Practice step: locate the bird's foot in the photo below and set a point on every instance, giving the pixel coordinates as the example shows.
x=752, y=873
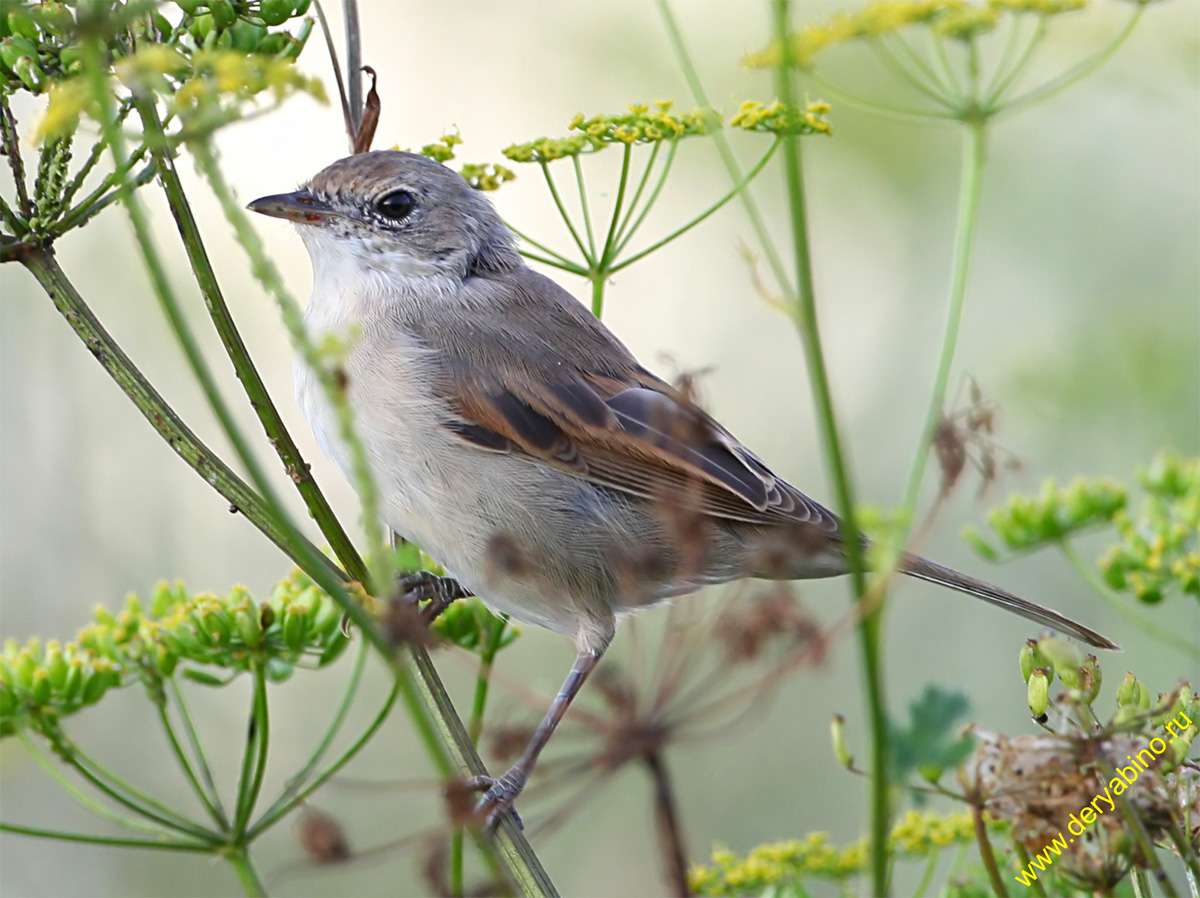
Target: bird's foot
x=498, y=796
x=439, y=592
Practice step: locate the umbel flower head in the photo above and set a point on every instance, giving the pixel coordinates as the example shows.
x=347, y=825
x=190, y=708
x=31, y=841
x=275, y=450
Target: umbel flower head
x=298, y=625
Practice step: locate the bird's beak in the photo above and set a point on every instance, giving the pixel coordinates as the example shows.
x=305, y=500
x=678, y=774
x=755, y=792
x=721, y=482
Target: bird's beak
x=301, y=207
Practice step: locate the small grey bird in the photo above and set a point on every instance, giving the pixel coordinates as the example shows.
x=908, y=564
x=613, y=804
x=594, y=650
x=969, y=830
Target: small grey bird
x=516, y=440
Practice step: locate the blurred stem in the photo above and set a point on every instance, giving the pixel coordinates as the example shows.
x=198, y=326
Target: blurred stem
x=1140, y=836
x=927, y=876
x=110, y=841
x=684, y=59
x=252, y=884
x=1080, y=71
x=904, y=113
x=1092, y=577
x=1140, y=883
x=915, y=72
x=670, y=832
x=494, y=635
x=985, y=851
x=1001, y=80
x=970, y=187
x=1023, y=856
x=806, y=320
x=210, y=801
x=256, y=391
x=254, y=759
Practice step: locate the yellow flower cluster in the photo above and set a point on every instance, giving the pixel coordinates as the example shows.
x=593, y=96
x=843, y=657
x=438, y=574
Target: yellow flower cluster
x=641, y=124
x=785, y=864
x=486, y=175
x=776, y=118
x=958, y=19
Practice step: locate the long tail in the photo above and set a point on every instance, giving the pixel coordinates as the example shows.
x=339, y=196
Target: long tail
x=924, y=569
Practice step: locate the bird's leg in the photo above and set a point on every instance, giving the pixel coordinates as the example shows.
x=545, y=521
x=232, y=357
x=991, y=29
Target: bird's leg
x=499, y=793
x=440, y=591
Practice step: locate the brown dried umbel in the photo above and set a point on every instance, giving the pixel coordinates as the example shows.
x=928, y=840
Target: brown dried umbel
x=1084, y=788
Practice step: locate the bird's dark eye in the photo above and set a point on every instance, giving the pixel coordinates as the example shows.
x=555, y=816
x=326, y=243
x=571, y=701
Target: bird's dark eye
x=396, y=205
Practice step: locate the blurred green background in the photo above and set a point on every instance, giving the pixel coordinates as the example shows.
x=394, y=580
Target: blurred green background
x=1083, y=322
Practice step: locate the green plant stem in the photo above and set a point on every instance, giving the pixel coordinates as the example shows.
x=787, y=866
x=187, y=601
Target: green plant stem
x=109, y=841
x=189, y=772
x=916, y=74
x=562, y=211
x=690, y=74
x=903, y=113
x=985, y=852
x=1023, y=855
x=806, y=319
x=1093, y=579
x=235, y=348
x=239, y=860
x=193, y=737
x=556, y=259
x=949, y=76
x=627, y=230
x=1002, y=81
x=285, y=804
x=1140, y=836
x=82, y=798
x=734, y=191
x=971, y=182
x=487, y=656
x=1082, y=70
x=610, y=239
x=927, y=876
x=254, y=759
x=599, y=281
x=583, y=205
x=637, y=193
x=1140, y=883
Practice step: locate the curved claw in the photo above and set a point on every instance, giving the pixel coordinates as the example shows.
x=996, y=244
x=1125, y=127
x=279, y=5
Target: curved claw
x=498, y=796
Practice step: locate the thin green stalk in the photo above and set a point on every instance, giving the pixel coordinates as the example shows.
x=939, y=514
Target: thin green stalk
x=297, y=781
x=254, y=759
x=256, y=391
x=599, y=281
x=1137, y=828
x=562, y=210
x=928, y=83
x=609, y=251
x=637, y=194
x=247, y=875
x=1002, y=81
x=209, y=801
x=89, y=208
x=627, y=235
x=734, y=191
x=109, y=841
x=690, y=74
x=1012, y=27
x=1187, y=853
x=903, y=113
x=286, y=804
x=583, y=205
x=973, y=158
x=1023, y=856
x=985, y=852
x=380, y=563
x=1092, y=577
x=806, y=320
x=927, y=876
x=193, y=737
x=81, y=797
x=1082, y=70
x=561, y=260
x=946, y=68
x=126, y=794
x=569, y=267
x=1141, y=883
x=487, y=656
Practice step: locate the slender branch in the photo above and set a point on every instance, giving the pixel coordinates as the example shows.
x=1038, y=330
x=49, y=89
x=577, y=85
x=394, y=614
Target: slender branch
x=353, y=62
x=1082, y=70
x=254, y=759
x=932, y=87
x=642, y=182
x=1001, y=83
x=110, y=841
x=627, y=235
x=971, y=182
x=583, y=205
x=985, y=852
x=247, y=875
x=835, y=456
x=903, y=113
x=562, y=261
x=562, y=210
x=208, y=801
x=670, y=832
x=256, y=391
x=607, y=254
x=193, y=737
x=734, y=191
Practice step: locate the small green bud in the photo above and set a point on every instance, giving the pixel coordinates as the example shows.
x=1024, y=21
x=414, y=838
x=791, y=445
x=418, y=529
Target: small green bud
x=249, y=627
x=21, y=25
x=1032, y=657
x=223, y=13
x=837, y=730
x=274, y=44
x=189, y=6
x=931, y=773
x=1143, y=698
x=300, y=7
x=40, y=691
x=56, y=667
x=1177, y=755
x=1127, y=692
x=95, y=683
x=1090, y=678
x=1039, y=693
x=328, y=617
x=165, y=661
x=276, y=12
x=202, y=26
x=24, y=669
x=1126, y=714
x=337, y=644
x=1064, y=657
x=8, y=701
x=295, y=627
x=76, y=668
x=246, y=36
